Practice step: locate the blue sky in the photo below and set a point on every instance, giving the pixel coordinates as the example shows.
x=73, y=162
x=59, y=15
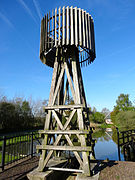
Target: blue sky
x=113, y=71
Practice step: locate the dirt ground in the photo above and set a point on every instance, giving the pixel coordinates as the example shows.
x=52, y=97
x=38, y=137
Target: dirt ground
x=111, y=170
x=118, y=170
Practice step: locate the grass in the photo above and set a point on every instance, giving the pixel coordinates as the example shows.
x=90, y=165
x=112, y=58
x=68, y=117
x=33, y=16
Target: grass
x=14, y=140
x=8, y=158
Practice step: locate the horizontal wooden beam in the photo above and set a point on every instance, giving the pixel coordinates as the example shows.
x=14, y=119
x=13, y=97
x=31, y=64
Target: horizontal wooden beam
x=74, y=106
x=65, y=169
x=64, y=148
x=63, y=131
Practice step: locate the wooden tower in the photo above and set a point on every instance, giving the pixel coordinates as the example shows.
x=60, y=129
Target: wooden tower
x=67, y=43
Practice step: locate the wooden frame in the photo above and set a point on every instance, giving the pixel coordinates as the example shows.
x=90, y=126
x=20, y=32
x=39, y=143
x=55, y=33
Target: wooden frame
x=70, y=69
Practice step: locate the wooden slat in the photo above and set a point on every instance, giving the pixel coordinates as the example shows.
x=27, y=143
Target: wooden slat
x=55, y=70
x=69, y=119
x=63, y=132
x=58, y=85
x=71, y=26
x=74, y=106
x=65, y=169
x=52, y=30
x=75, y=152
x=57, y=119
x=65, y=93
x=87, y=40
x=88, y=29
x=47, y=39
x=49, y=32
x=67, y=25
x=89, y=24
x=55, y=26
x=45, y=34
x=50, y=152
x=84, y=34
x=70, y=81
x=92, y=35
x=63, y=25
x=76, y=27
x=64, y=148
x=80, y=28
x=59, y=26
x=42, y=36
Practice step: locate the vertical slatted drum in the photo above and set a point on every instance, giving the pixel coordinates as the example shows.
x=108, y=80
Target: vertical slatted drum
x=64, y=28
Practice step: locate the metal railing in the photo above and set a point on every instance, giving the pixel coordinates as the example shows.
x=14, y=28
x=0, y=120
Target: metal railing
x=125, y=138
x=15, y=147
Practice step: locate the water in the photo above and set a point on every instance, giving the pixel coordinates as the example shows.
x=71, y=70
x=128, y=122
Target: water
x=105, y=146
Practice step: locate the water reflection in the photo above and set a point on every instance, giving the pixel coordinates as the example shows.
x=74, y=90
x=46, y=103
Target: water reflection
x=106, y=145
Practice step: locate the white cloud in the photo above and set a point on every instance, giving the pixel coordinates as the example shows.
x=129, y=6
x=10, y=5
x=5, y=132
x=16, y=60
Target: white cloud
x=37, y=9
x=27, y=9
x=6, y=20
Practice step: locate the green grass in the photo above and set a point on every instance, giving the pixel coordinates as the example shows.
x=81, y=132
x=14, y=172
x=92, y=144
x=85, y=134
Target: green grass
x=8, y=158
x=14, y=140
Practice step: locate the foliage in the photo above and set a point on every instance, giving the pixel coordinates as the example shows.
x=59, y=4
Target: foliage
x=97, y=117
x=123, y=115
x=104, y=126
x=19, y=114
x=125, y=120
x=123, y=103
x=113, y=115
x=7, y=115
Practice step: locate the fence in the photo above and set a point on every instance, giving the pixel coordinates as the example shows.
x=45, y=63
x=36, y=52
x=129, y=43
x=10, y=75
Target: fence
x=16, y=147
x=125, y=138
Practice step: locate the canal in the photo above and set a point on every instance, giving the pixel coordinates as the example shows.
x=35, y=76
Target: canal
x=106, y=145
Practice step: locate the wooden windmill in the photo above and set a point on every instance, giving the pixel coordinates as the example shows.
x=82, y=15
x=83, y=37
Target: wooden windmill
x=67, y=43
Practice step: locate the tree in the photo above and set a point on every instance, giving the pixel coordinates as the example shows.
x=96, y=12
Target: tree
x=123, y=103
x=7, y=115
x=125, y=120
x=105, y=111
x=99, y=117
